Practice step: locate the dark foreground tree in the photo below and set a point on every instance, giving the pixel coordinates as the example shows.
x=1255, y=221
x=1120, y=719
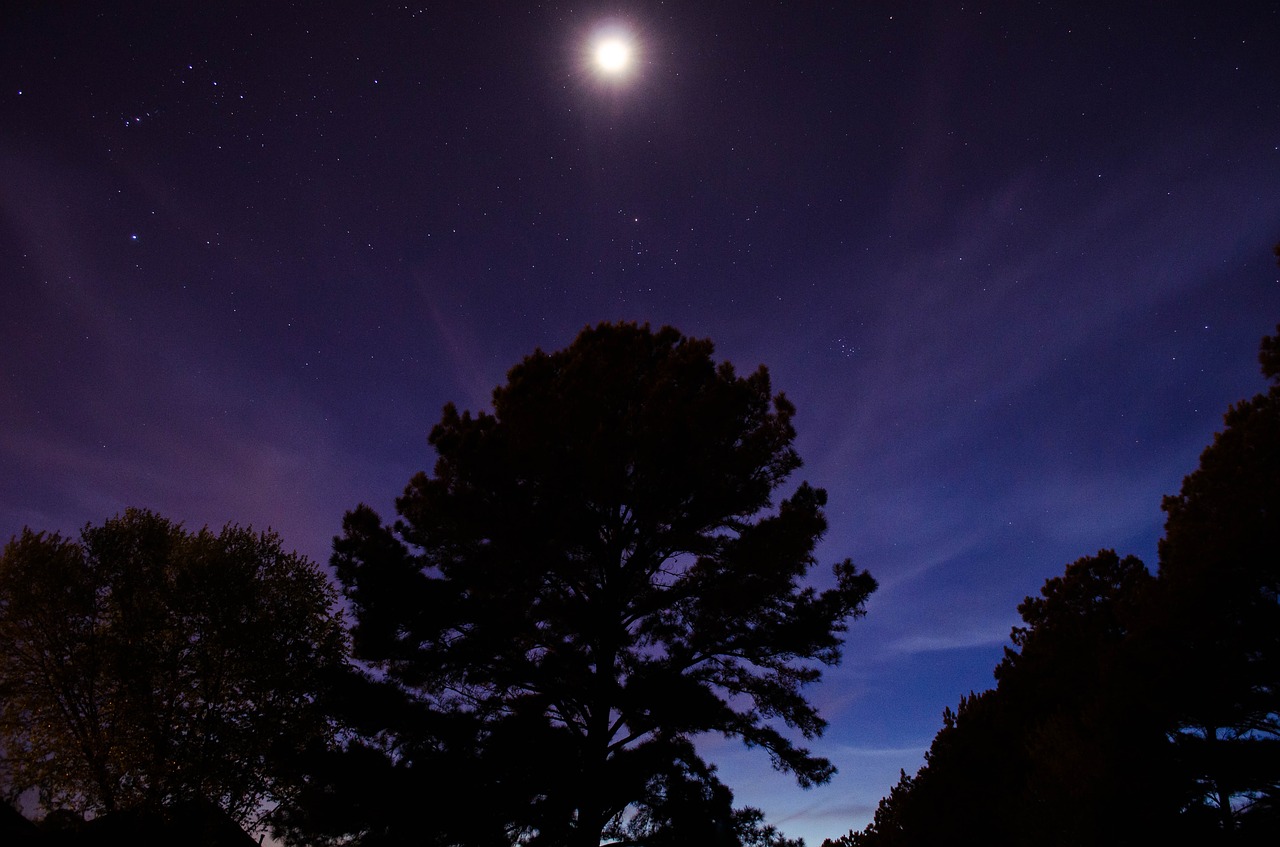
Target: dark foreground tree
x=594, y=573
x=1219, y=618
x=1064, y=751
x=146, y=666
x=1136, y=710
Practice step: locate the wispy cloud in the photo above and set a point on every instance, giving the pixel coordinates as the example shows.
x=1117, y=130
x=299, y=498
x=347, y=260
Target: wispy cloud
x=932, y=643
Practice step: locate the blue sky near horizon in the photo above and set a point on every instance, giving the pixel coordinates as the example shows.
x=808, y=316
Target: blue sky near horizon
x=1010, y=261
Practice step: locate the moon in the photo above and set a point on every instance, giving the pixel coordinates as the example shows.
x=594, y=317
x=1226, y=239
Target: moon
x=613, y=54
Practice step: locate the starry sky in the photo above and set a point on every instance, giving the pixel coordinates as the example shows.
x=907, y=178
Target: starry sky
x=1011, y=261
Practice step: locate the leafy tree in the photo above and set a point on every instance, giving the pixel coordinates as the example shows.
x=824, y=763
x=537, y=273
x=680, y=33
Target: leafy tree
x=145, y=666
x=594, y=571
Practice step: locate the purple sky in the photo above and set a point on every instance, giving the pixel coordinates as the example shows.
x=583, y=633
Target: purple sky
x=1011, y=261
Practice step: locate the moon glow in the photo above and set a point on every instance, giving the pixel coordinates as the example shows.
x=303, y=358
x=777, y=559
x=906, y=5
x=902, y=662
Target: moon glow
x=613, y=54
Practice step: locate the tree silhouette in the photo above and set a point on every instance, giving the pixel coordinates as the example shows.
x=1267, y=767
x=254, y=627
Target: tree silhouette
x=594, y=571
x=1220, y=613
x=1097, y=767
x=409, y=773
x=146, y=666
x=1069, y=748
x=1132, y=709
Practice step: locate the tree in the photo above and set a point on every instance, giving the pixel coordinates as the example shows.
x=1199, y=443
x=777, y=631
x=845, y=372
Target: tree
x=146, y=666
x=1067, y=749
x=1134, y=709
x=595, y=568
x=1220, y=613
x=408, y=774
x=1097, y=767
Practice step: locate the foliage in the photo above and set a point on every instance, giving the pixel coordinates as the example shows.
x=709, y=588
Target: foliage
x=406, y=773
x=1065, y=750
x=1133, y=709
x=144, y=665
x=594, y=571
x=1220, y=612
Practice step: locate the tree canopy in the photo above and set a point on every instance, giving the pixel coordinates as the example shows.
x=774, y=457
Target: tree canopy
x=144, y=666
x=1065, y=749
x=593, y=574
x=1133, y=708
x=1219, y=614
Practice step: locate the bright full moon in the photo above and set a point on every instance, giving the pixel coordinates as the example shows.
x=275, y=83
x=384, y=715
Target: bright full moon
x=613, y=55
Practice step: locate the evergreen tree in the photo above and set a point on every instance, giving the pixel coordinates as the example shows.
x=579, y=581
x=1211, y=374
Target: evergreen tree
x=594, y=573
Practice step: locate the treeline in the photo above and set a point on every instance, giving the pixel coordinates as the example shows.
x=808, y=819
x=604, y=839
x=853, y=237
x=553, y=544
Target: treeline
x=592, y=575
x=1133, y=708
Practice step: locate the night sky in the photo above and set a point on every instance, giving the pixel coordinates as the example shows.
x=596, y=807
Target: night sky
x=1011, y=261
